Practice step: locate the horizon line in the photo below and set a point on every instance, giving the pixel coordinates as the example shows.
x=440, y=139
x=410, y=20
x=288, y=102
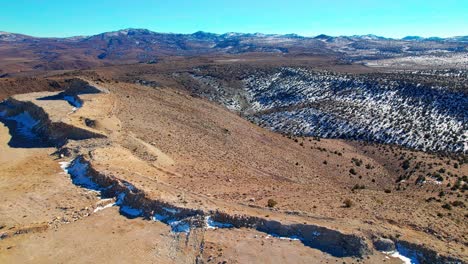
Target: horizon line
x=233, y=32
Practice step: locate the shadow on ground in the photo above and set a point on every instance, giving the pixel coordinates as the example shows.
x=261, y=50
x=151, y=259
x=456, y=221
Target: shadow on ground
x=20, y=140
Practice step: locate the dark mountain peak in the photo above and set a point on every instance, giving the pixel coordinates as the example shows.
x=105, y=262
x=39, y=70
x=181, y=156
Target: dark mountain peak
x=324, y=37
x=294, y=36
x=434, y=39
x=204, y=35
x=136, y=31
x=413, y=38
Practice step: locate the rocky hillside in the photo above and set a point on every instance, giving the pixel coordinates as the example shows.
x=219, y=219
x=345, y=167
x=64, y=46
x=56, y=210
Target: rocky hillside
x=425, y=110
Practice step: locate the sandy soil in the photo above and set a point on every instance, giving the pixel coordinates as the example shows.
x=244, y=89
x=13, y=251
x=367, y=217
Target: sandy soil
x=210, y=160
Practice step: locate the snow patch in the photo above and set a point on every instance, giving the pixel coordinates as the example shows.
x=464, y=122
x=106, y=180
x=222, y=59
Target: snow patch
x=177, y=226
x=211, y=224
x=78, y=174
x=404, y=254
x=292, y=238
x=100, y=208
x=64, y=165
x=171, y=210
x=405, y=259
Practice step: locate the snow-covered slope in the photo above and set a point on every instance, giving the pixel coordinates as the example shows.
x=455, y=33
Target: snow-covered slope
x=376, y=108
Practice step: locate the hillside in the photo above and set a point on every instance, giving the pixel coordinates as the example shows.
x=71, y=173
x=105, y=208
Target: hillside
x=410, y=109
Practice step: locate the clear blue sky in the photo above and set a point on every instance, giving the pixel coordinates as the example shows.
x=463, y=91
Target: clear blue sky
x=392, y=18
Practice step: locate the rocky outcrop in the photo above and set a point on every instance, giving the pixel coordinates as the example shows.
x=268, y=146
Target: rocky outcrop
x=74, y=88
x=138, y=203
x=384, y=244
x=424, y=255
x=135, y=202
x=328, y=240
x=38, y=124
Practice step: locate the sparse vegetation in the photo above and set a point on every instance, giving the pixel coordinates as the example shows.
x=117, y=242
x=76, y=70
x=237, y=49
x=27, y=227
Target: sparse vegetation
x=405, y=165
x=348, y=203
x=357, y=162
x=358, y=187
x=271, y=203
x=447, y=206
x=458, y=204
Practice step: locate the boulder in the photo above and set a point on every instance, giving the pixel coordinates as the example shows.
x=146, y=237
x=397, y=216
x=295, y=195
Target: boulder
x=384, y=244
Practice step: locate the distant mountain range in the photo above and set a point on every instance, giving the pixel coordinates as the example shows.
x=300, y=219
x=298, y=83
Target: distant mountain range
x=21, y=52
x=7, y=36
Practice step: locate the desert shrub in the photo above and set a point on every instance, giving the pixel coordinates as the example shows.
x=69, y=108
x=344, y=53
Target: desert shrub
x=271, y=203
x=405, y=165
x=401, y=178
x=348, y=203
x=387, y=191
x=438, y=177
x=456, y=185
x=458, y=204
x=358, y=162
x=358, y=187
x=447, y=206
x=420, y=179
x=352, y=171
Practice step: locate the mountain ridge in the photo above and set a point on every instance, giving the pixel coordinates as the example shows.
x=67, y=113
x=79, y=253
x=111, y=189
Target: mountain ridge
x=235, y=34
x=127, y=46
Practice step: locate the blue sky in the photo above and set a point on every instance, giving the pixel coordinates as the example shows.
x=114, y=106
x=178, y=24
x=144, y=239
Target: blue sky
x=391, y=18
